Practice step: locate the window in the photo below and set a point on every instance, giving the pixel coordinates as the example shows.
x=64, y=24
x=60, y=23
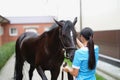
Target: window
x=1, y=30
x=31, y=30
x=13, y=32
x=47, y=29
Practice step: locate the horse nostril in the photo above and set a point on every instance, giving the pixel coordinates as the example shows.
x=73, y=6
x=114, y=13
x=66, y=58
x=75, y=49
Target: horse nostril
x=67, y=56
x=63, y=49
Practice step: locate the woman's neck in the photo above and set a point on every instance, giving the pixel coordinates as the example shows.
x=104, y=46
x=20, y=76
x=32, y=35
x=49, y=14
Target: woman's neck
x=85, y=43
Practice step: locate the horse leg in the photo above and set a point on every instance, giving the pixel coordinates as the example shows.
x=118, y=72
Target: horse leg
x=41, y=73
x=31, y=72
x=70, y=77
x=54, y=73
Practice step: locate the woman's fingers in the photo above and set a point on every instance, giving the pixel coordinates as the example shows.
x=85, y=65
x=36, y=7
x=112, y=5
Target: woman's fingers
x=79, y=43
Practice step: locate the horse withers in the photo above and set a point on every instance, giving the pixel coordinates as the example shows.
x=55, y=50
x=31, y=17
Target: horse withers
x=46, y=51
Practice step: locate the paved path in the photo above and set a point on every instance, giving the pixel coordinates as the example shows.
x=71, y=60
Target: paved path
x=108, y=71
x=7, y=71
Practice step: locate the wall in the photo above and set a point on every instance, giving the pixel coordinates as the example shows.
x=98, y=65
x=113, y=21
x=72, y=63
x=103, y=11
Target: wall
x=101, y=14
x=0, y=41
x=0, y=37
x=103, y=17
x=68, y=10
x=109, y=42
x=21, y=29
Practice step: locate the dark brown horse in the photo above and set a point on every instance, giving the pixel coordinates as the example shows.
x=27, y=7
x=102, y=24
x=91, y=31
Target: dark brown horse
x=45, y=52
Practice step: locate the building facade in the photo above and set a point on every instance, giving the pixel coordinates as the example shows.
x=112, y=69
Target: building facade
x=18, y=25
x=103, y=17
x=3, y=21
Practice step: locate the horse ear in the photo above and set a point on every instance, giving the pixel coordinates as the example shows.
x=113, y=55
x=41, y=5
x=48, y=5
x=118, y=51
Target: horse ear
x=75, y=20
x=59, y=23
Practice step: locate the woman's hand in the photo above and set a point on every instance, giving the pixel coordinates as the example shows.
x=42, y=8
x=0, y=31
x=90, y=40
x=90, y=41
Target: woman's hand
x=66, y=69
x=72, y=71
x=79, y=43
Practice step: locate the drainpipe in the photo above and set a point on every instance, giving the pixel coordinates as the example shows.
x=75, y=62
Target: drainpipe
x=80, y=15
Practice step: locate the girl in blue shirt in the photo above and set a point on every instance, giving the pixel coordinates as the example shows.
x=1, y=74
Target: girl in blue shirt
x=85, y=58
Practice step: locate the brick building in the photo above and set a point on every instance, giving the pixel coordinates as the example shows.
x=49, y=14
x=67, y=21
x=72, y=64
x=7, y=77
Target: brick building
x=12, y=27
x=3, y=21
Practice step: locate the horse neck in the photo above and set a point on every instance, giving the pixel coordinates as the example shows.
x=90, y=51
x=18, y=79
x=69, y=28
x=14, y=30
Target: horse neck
x=56, y=44
x=54, y=36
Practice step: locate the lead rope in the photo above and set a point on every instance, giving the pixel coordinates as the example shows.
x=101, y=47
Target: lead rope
x=62, y=76
x=64, y=64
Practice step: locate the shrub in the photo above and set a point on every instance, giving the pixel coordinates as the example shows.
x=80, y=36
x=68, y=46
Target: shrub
x=5, y=52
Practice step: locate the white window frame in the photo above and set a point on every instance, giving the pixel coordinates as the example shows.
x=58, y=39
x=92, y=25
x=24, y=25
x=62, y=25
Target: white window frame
x=47, y=29
x=1, y=31
x=13, y=34
x=31, y=28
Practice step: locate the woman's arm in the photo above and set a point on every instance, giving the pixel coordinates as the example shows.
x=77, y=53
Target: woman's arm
x=79, y=43
x=72, y=71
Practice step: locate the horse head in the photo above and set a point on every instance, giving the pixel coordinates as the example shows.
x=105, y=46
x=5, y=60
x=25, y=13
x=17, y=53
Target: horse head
x=67, y=35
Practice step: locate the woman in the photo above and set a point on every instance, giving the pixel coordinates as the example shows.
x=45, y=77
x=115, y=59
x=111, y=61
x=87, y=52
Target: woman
x=85, y=58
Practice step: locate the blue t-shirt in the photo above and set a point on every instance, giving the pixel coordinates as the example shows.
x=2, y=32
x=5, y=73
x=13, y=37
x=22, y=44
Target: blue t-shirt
x=80, y=62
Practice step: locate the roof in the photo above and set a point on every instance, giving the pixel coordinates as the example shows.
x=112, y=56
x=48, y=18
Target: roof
x=3, y=20
x=33, y=19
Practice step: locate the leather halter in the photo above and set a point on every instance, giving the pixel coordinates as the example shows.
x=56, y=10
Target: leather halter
x=64, y=47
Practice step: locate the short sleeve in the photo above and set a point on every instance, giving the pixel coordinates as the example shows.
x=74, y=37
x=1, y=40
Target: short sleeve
x=76, y=60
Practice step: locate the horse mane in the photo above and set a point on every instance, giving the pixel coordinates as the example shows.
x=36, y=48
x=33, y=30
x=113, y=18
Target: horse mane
x=55, y=25
x=49, y=32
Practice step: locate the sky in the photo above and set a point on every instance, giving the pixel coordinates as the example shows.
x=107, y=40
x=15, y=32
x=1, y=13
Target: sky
x=28, y=7
x=93, y=14
x=62, y=9
x=38, y=8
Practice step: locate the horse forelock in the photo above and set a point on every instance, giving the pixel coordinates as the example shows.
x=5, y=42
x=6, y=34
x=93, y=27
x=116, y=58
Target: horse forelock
x=68, y=27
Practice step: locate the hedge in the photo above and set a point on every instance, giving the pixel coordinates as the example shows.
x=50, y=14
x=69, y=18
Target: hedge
x=6, y=52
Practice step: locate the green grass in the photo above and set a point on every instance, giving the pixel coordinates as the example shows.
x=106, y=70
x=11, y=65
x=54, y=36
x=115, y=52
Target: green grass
x=98, y=77
x=6, y=51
